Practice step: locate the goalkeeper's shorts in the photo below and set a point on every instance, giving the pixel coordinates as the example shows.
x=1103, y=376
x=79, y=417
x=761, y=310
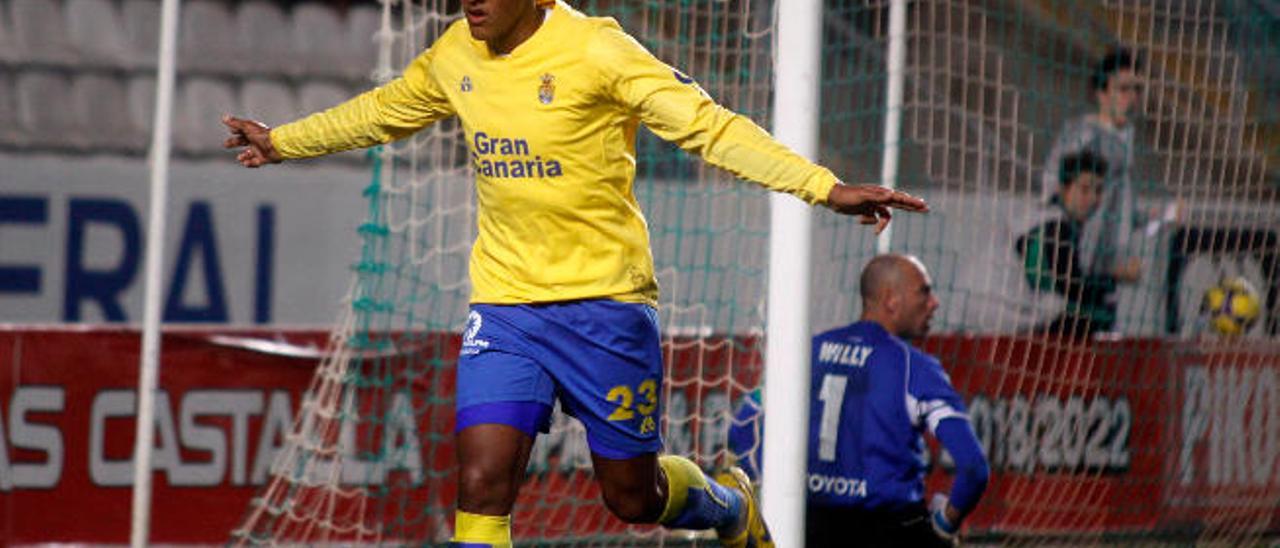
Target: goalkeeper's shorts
x=601, y=358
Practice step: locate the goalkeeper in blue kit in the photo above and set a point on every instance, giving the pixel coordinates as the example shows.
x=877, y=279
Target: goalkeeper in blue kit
x=562, y=278
x=872, y=396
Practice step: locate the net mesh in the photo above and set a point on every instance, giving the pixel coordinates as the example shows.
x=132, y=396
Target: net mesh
x=1146, y=430
x=1158, y=429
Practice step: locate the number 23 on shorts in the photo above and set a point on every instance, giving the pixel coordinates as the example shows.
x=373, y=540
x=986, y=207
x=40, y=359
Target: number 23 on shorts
x=624, y=397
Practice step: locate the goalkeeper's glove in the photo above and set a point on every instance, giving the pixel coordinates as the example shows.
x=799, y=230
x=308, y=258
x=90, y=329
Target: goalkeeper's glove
x=947, y=532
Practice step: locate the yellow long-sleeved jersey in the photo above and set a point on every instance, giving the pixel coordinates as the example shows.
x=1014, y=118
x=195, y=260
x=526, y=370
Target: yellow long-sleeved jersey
x=551, y=129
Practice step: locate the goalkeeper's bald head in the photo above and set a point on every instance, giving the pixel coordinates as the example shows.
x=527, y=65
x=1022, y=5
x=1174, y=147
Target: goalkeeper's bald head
x=897, y=293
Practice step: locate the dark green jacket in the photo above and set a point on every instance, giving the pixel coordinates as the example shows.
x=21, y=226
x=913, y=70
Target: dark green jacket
x=1051, y=262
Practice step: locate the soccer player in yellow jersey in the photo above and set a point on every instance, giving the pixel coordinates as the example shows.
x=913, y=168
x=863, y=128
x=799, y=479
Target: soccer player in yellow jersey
x=563, y=287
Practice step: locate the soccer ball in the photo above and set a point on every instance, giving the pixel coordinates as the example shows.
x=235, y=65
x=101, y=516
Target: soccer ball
x=1232, y=306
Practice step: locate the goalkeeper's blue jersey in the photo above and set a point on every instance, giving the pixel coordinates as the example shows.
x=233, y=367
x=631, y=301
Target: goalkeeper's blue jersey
x=871, y=398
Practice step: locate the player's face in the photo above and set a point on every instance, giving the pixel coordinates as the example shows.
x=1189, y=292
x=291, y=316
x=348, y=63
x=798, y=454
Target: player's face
x=1119, y=100
x=1081, y=197
x=503, y=24
x=918, y=303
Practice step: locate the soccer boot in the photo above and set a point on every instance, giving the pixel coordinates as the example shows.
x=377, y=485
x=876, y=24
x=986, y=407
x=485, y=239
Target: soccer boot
x=755, y=534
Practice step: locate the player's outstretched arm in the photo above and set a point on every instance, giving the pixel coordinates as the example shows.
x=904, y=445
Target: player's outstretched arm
x=381, y=115
x=676, y=109
x=873, y=204
x=255, y=137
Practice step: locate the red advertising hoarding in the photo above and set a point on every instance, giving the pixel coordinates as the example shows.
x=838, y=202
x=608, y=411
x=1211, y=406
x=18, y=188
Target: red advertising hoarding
x=1127, y=436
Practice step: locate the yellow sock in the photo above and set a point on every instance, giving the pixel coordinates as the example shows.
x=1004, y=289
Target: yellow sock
x=682, y=474
x=693, y=500
x=475, y=530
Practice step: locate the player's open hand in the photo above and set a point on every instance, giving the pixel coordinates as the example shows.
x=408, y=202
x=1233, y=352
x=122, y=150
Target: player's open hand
x=873, y=204
x=255, y=136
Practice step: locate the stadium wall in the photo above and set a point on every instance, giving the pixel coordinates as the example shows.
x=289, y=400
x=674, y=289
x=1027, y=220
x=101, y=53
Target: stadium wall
x=275, y=247
x=242, y=247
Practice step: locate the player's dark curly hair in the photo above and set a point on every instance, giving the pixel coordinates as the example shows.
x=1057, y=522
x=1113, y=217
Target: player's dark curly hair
x=1081, y=162
x=1116, y=59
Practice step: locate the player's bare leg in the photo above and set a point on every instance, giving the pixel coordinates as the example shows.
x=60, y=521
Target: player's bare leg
x=633, y=489
x=491, y=464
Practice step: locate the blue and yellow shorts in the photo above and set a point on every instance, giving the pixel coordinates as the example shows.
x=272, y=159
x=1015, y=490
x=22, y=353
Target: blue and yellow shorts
x=601, y=358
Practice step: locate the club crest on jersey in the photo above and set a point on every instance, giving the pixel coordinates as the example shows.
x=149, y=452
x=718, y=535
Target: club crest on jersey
x=465, y=86
x=547, y=91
